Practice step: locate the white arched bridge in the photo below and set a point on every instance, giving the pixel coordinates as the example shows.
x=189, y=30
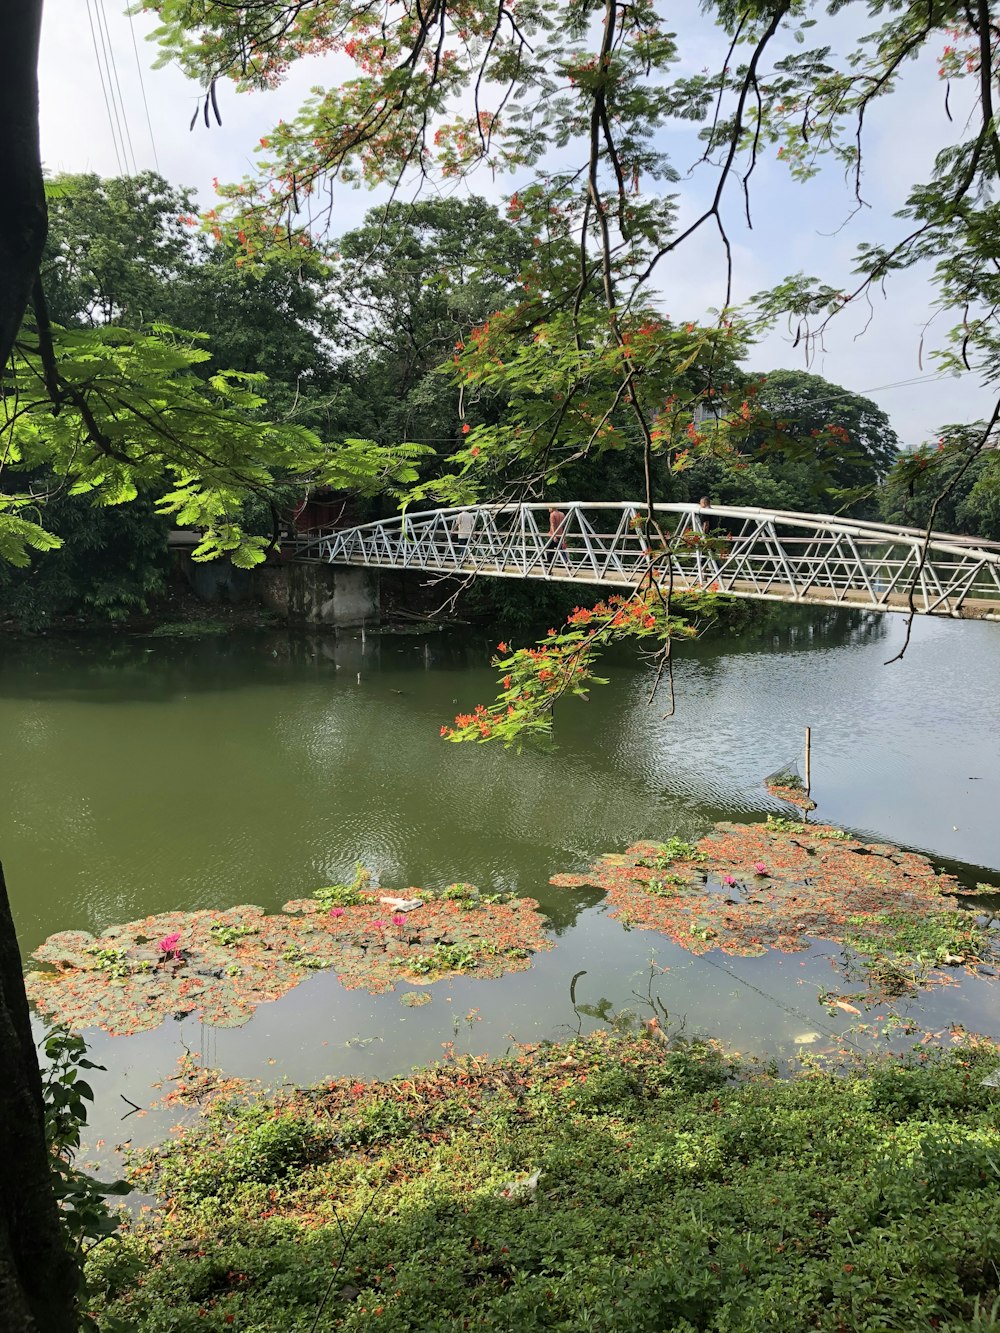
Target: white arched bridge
x=754, y=553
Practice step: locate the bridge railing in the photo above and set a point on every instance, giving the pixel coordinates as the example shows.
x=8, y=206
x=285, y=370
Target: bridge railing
x=745, y=552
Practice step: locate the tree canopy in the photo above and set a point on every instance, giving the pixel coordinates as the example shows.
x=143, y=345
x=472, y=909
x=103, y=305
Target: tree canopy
x=816, y=447
x=575, y=101
x=119, y=401
x=115, y=248
x=402, y=289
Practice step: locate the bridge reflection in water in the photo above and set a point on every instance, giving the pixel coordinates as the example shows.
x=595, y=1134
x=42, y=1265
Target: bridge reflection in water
x=754, y=553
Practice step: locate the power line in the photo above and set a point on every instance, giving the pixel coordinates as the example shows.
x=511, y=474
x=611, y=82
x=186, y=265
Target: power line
x=903, y=384
x=142, y=86
x=112, y=64
x=848, y=393
x=107, y=103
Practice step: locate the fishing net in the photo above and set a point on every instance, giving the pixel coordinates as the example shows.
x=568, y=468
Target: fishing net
x=787, y=784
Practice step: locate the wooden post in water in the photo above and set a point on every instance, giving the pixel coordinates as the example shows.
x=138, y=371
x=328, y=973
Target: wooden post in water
x=808, y=761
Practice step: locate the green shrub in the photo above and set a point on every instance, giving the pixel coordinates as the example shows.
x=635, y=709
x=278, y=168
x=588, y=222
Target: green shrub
x=672, y=1189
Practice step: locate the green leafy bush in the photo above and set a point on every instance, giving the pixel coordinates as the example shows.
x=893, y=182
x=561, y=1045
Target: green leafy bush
x=674, y=1189
x=347, y=895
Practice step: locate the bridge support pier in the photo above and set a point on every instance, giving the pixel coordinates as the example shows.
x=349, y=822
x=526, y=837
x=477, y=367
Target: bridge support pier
x=320, y=594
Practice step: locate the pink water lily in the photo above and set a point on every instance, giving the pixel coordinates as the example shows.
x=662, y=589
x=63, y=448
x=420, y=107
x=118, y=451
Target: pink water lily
x=399, y=919
x=378, y=925
x=168, y=945
x=729, y=880
x=336, y=911
x=759, y=868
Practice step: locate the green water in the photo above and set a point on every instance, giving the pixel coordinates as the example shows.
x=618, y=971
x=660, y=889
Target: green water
x=144, y=775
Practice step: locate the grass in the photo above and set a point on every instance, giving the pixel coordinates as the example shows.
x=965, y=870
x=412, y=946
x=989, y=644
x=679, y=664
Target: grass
x=677, y=1190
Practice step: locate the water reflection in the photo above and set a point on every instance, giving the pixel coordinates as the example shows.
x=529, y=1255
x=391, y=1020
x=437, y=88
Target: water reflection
x=115, y=668
x=790, y=629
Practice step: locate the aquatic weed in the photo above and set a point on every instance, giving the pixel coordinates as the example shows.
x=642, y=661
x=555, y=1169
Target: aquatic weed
x=229, y=962
x=890, y=907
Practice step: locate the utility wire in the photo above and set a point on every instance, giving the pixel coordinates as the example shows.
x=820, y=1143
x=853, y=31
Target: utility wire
x=112, y=100
x=848, y=393
x=112, y=64
x=142, y=85
x=104, y=90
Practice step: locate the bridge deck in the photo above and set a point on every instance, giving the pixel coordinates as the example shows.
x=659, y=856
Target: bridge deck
x=747, y=553
x=971, y=608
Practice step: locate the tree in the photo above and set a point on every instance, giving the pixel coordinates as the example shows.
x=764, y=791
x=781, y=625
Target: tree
x=403, y=289
x=23, y=219
x=116, y=249
x=143, y=420
x=847, y=441
x=966, y=493
x=121, y=253
x=115, y=252
x=38, y=1279
x=111, y=563
x=117, y=402
x=815, y=444
x=574, y=97
x=271, y=323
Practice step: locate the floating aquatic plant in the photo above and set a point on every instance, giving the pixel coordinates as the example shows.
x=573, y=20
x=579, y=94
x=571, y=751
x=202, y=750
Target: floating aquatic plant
x=223, y=964
x=747, y=888
x=792, y=791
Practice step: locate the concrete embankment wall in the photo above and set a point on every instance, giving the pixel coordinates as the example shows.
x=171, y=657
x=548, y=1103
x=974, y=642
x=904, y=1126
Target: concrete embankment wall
x=315, y=594
x=299, y=592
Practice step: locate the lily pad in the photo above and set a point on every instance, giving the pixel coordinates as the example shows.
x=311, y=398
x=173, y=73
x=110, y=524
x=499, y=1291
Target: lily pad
x=748, y=888
x=226, y=963
x=412, y=999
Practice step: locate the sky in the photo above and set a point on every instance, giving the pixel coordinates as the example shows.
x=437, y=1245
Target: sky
x=797, y=228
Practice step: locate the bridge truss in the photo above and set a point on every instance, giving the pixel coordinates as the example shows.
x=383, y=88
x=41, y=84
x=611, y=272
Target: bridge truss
x=752, y=553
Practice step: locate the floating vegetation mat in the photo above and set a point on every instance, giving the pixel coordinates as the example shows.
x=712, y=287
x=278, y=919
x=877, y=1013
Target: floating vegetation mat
x=222, y=965
x=786, y=785
x=747, y=888
x=794, y=793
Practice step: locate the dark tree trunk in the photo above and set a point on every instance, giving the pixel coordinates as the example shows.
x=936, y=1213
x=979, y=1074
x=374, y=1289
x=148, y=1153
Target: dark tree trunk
x=23, y=215
x=38, y=1278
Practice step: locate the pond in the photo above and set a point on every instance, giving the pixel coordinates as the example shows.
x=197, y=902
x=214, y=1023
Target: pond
x=150, y=775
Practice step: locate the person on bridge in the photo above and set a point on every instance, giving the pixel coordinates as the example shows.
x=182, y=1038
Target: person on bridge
x=557, y=536
x=464, y=525
x=710, y=525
